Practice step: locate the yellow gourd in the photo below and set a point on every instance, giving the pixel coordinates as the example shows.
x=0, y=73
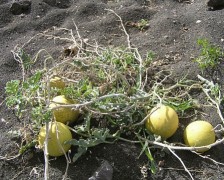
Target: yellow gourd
x=58, y=134
x=64, y=114
x=199, y=133
x=163, y=121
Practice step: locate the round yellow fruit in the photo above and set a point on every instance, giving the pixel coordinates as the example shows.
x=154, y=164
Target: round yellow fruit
x=64, y=114
x=58, y=134
x=163, y=121
x=199, y=133
x=57, y=82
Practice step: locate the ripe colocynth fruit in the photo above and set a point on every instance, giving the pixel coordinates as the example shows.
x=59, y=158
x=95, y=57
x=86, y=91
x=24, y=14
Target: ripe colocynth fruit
x=58, y=134
x=57, y=82
x=64, y=114
x=163, y=121
x=199, y=133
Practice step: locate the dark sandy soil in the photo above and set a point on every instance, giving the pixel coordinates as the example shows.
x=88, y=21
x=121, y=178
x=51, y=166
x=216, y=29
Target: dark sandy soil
x=174, y=27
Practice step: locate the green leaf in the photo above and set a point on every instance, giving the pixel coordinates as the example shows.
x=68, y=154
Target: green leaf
x=32, y=84
x=26, y=59
x=181, y=105
x=12, y=87
x=81, y=151
x=210, y=55
x=143, y=148
x=101, y=134
x=152, y=161
x=90, y=142
x=27, y=146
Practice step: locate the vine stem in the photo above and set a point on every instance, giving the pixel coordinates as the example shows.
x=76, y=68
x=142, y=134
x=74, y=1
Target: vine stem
x=143, y=121
x=62, y=149
x=185, y=168
x=122, y=24
x=173, y=147
x=77, y=106
x=136, y=52
x=217, y=104
x=46, y=155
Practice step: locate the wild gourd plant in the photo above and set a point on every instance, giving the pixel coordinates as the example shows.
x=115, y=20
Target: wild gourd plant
x=112, y=89
x=210, y=58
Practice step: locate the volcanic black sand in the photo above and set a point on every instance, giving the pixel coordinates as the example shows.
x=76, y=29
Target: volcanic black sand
x=172, y=33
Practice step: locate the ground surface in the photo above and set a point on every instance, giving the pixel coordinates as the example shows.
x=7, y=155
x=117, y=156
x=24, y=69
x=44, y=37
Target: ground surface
x=173, y=30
